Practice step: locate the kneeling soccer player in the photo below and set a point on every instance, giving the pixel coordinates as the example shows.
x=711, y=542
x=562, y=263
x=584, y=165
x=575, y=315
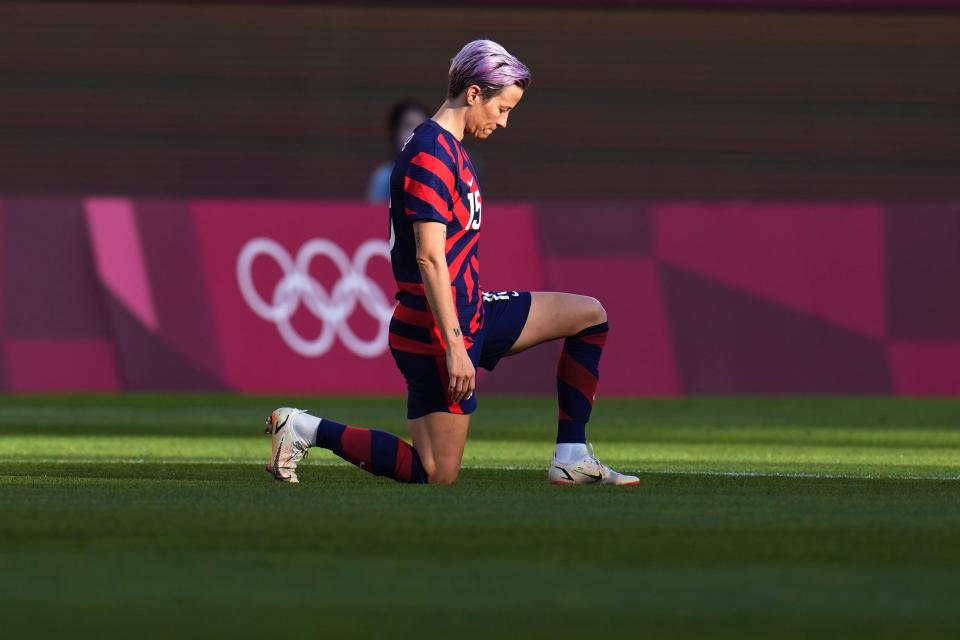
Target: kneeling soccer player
x=444, y=326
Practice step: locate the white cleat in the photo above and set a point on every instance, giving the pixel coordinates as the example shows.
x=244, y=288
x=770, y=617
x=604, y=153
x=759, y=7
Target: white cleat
x=587, y=470
x=289, y=445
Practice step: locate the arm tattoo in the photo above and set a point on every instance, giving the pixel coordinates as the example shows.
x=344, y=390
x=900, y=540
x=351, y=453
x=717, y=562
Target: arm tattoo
x=456, y=332
x=416, y=235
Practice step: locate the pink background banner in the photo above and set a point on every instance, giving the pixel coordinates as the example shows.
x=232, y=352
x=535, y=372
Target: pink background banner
x=109, y=294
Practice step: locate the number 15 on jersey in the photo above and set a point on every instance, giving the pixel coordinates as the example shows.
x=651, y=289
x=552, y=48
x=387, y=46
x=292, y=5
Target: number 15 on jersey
x=475, y=215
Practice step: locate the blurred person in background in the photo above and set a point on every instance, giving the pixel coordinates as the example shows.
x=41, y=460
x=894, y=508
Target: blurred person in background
x=445, y=326
x=402, y=119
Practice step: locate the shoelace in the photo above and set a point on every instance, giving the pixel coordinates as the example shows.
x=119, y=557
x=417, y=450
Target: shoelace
x=593, y=456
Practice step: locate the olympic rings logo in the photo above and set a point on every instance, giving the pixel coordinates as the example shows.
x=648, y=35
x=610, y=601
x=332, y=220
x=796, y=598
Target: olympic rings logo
x=333, y=307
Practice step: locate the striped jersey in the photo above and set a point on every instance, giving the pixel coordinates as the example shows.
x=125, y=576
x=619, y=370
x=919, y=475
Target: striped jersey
x=433, y=179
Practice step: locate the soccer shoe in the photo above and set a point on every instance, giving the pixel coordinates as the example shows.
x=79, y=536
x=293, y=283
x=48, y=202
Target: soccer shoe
x=289, y=445
x=587, y=470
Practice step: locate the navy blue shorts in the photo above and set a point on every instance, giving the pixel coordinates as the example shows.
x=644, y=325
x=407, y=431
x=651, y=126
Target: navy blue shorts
x=504, y=315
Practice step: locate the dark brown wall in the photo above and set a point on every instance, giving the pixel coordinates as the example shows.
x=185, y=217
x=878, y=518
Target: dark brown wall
x=627, y=104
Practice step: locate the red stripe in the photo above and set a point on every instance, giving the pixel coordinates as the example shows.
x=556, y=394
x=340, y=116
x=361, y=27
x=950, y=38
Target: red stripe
x=437, y=168
x=446, y=147
x=356, y=446
x=456, y=264
x=428, y=195
x=463, y=216
x=401, y=343
x=475, y=265
x=599, y=339
x=416, y=288
x=404, y=461
x=577, y=376
x=459, y=158
x=419, y=318
x=452, y=240
x=476, y=322
x=414, y=317
x=452, y=407
x=563, y=416
x=468, y=280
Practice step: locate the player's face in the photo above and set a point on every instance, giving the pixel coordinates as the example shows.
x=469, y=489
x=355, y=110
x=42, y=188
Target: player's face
x=483, y=118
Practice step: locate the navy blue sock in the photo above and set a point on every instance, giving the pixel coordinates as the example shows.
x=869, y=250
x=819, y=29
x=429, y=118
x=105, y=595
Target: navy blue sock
x=577, y=375
x=374, y=451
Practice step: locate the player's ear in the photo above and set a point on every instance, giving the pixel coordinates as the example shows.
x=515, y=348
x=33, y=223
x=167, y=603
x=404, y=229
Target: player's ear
x=474, y=94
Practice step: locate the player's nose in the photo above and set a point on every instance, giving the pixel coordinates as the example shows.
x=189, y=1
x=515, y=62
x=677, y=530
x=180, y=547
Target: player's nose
x=502, y=121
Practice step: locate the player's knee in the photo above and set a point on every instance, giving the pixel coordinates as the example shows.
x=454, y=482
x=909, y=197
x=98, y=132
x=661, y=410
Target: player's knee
x=597, y=314
x=444, y=475
x=440, y=477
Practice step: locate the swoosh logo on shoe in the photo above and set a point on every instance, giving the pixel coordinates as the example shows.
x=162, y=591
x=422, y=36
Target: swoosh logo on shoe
x=276, y=458
x=565, y=472
x=596, y=478
x=281, y=425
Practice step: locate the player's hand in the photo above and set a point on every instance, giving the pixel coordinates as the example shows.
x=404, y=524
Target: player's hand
x=463, y=375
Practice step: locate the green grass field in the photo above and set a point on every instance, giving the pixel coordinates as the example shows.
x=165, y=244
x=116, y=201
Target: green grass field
x=152, y=516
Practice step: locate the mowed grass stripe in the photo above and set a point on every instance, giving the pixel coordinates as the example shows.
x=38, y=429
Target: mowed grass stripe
x=742, y=457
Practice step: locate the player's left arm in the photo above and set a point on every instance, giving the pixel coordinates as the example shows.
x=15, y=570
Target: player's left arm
x=432, y=260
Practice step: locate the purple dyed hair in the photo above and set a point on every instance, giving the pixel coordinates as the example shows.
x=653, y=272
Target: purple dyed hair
x=487, y=65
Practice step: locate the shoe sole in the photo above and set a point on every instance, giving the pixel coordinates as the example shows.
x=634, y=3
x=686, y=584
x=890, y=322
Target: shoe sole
x=562, y=483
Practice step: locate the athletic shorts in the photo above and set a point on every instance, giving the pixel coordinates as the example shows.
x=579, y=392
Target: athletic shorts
x=504, y=315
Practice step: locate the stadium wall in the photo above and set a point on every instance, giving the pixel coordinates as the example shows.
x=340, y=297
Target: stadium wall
x=108, y=294
x=288, y=100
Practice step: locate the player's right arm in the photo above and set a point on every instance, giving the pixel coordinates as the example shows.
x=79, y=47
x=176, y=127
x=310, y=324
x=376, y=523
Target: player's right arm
x=431, y=239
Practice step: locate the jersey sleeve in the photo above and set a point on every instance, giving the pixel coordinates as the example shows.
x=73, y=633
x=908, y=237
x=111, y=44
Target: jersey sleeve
x=429, y=187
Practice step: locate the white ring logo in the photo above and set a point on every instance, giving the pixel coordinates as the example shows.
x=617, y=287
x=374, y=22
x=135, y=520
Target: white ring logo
x=334, y=308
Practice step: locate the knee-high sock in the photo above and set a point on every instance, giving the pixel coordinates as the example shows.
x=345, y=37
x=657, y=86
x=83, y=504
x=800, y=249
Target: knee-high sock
x=377, y=452
x=577, y=375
